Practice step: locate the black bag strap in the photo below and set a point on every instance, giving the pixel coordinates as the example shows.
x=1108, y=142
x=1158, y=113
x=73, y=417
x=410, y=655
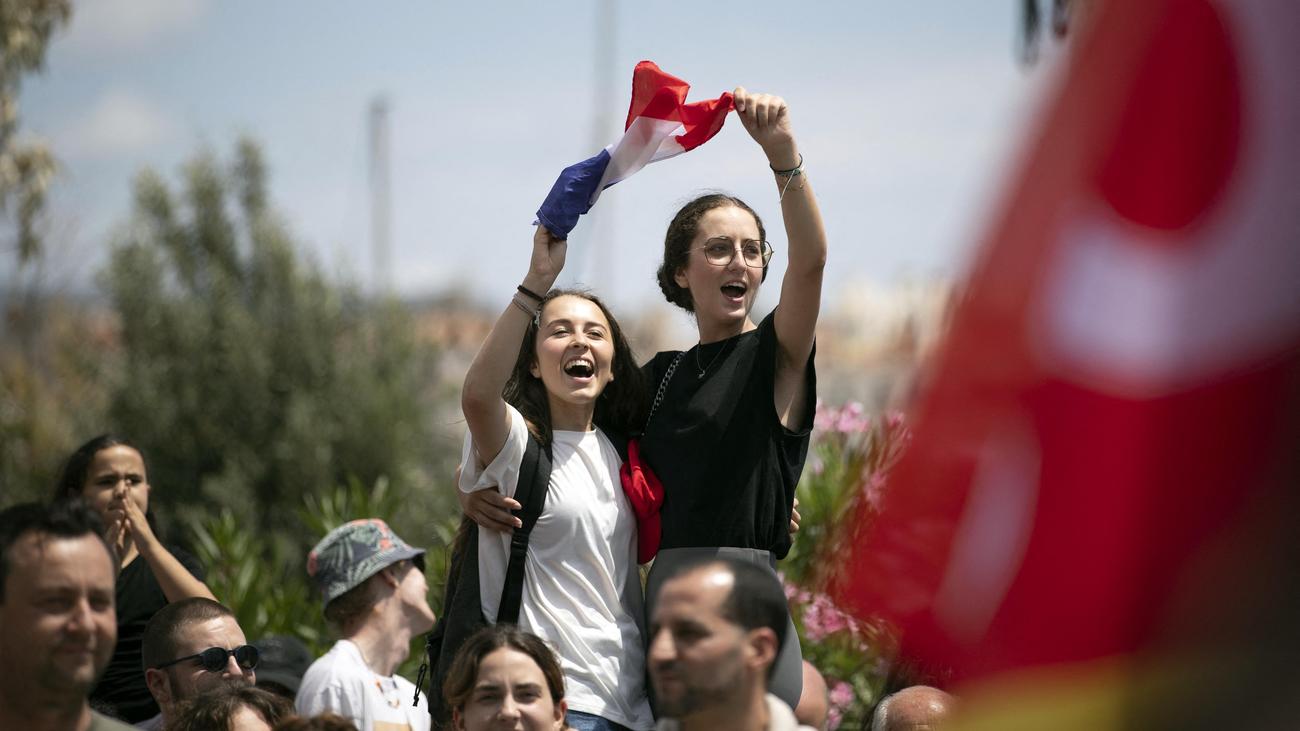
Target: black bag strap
x=461, y=615
x=534, y=482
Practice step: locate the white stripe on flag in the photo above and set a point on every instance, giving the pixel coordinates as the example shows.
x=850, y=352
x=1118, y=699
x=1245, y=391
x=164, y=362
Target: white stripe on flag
x=642, y=143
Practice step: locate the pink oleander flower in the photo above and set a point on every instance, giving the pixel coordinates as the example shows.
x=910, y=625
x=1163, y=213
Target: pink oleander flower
x=793, y=593
x=813, y=627
x=852, y=419
x=822, y=618
x=841, y=694
x=841, y=698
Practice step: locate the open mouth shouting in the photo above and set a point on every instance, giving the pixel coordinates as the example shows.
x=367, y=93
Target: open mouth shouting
x=734, y=291
x=581, y=368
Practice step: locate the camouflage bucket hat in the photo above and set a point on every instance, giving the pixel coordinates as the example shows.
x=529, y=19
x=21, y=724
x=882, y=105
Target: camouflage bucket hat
x=352, y=553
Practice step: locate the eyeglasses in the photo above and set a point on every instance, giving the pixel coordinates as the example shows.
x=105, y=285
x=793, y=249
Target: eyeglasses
x=720, y=252
x=213, y=659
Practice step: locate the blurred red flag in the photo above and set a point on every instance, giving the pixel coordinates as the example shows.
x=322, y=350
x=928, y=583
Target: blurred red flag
x=1120, y=381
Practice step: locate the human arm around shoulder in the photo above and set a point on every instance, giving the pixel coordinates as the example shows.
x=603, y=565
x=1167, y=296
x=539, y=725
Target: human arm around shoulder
x=489, y=508
x=480, y=396
x=767, y=119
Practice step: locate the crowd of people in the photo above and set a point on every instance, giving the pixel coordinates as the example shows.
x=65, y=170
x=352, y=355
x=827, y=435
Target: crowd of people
x=715, y=635
x=690, y=460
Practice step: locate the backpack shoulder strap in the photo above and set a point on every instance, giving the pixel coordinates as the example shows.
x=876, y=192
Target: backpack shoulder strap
x=534, y=483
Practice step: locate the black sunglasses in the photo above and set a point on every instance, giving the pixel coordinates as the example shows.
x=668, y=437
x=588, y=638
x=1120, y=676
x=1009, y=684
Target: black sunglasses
x=213, y=659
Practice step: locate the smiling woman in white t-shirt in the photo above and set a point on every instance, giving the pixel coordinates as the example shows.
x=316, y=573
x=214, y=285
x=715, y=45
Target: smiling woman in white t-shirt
x=557, y=366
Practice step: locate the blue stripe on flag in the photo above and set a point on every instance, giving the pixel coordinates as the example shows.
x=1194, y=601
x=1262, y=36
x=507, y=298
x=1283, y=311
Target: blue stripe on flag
x=571, y=195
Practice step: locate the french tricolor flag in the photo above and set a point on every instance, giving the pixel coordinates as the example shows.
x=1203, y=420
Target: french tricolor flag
x=660, y=125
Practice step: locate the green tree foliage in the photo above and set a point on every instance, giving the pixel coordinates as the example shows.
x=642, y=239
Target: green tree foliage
x=266, y=599
x=35, y=414
x=250, y=381
x=52, y=396
x=25, y=168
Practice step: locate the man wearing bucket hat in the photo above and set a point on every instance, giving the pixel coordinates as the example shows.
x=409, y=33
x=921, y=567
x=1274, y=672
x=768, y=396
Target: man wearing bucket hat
x=373, y=589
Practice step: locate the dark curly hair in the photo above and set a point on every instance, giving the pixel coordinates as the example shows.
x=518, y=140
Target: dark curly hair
x=681, y=233
x=620, y=408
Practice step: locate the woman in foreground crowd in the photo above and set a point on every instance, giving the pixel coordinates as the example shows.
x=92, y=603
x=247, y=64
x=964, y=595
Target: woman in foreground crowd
x=109, y=474
x=557, y=370
x=504, y=677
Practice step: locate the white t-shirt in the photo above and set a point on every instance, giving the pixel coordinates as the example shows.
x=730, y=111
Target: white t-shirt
x=581, y=589
x=341, y=682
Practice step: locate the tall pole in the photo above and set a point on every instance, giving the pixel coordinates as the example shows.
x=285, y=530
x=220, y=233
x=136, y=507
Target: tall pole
x=602, y=245
x=380, y=200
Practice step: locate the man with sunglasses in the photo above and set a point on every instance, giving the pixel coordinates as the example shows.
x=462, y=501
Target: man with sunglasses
x=191, y=647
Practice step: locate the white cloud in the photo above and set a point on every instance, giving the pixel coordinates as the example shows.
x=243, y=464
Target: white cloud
x=119, y=123
x=114, y=27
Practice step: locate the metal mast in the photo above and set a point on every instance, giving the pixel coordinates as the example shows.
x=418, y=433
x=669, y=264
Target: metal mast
x=380, y=199
x=602, y=245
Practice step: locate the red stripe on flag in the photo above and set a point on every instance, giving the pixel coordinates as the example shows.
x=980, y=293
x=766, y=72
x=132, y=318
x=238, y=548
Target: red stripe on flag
x=660, y=95
x=655, y=94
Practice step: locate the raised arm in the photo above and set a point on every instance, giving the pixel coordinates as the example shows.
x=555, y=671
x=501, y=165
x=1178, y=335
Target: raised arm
x=767, y=119
x=173, y=578
x=480, y=397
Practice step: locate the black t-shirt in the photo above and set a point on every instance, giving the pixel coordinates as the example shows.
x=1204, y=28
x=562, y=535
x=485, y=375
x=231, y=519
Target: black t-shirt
x=728, y=466
x=122, y=689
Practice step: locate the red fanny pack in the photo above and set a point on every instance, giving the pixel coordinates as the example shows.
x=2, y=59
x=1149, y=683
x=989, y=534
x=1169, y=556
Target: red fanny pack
x=646, y=494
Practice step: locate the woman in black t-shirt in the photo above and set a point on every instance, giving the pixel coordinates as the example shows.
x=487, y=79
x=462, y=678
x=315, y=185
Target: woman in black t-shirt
x=729, y=430
x=108, y=473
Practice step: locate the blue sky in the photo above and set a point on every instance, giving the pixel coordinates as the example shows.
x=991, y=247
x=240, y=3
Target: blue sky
x=905, y=112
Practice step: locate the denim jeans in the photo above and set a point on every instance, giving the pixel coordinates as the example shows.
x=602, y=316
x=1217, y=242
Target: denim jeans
x=580, y=721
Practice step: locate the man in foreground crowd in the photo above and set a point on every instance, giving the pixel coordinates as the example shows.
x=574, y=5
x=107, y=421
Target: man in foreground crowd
x=715, y=634
x=915, y=707
x=57, y=619
x=375, y=595
x=191, y=647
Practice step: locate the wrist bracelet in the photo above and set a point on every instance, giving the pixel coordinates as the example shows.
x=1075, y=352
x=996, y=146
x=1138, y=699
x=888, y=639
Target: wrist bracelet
x=790, y=175
x=796, y=170
x=526, y=291
x=523, y=307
